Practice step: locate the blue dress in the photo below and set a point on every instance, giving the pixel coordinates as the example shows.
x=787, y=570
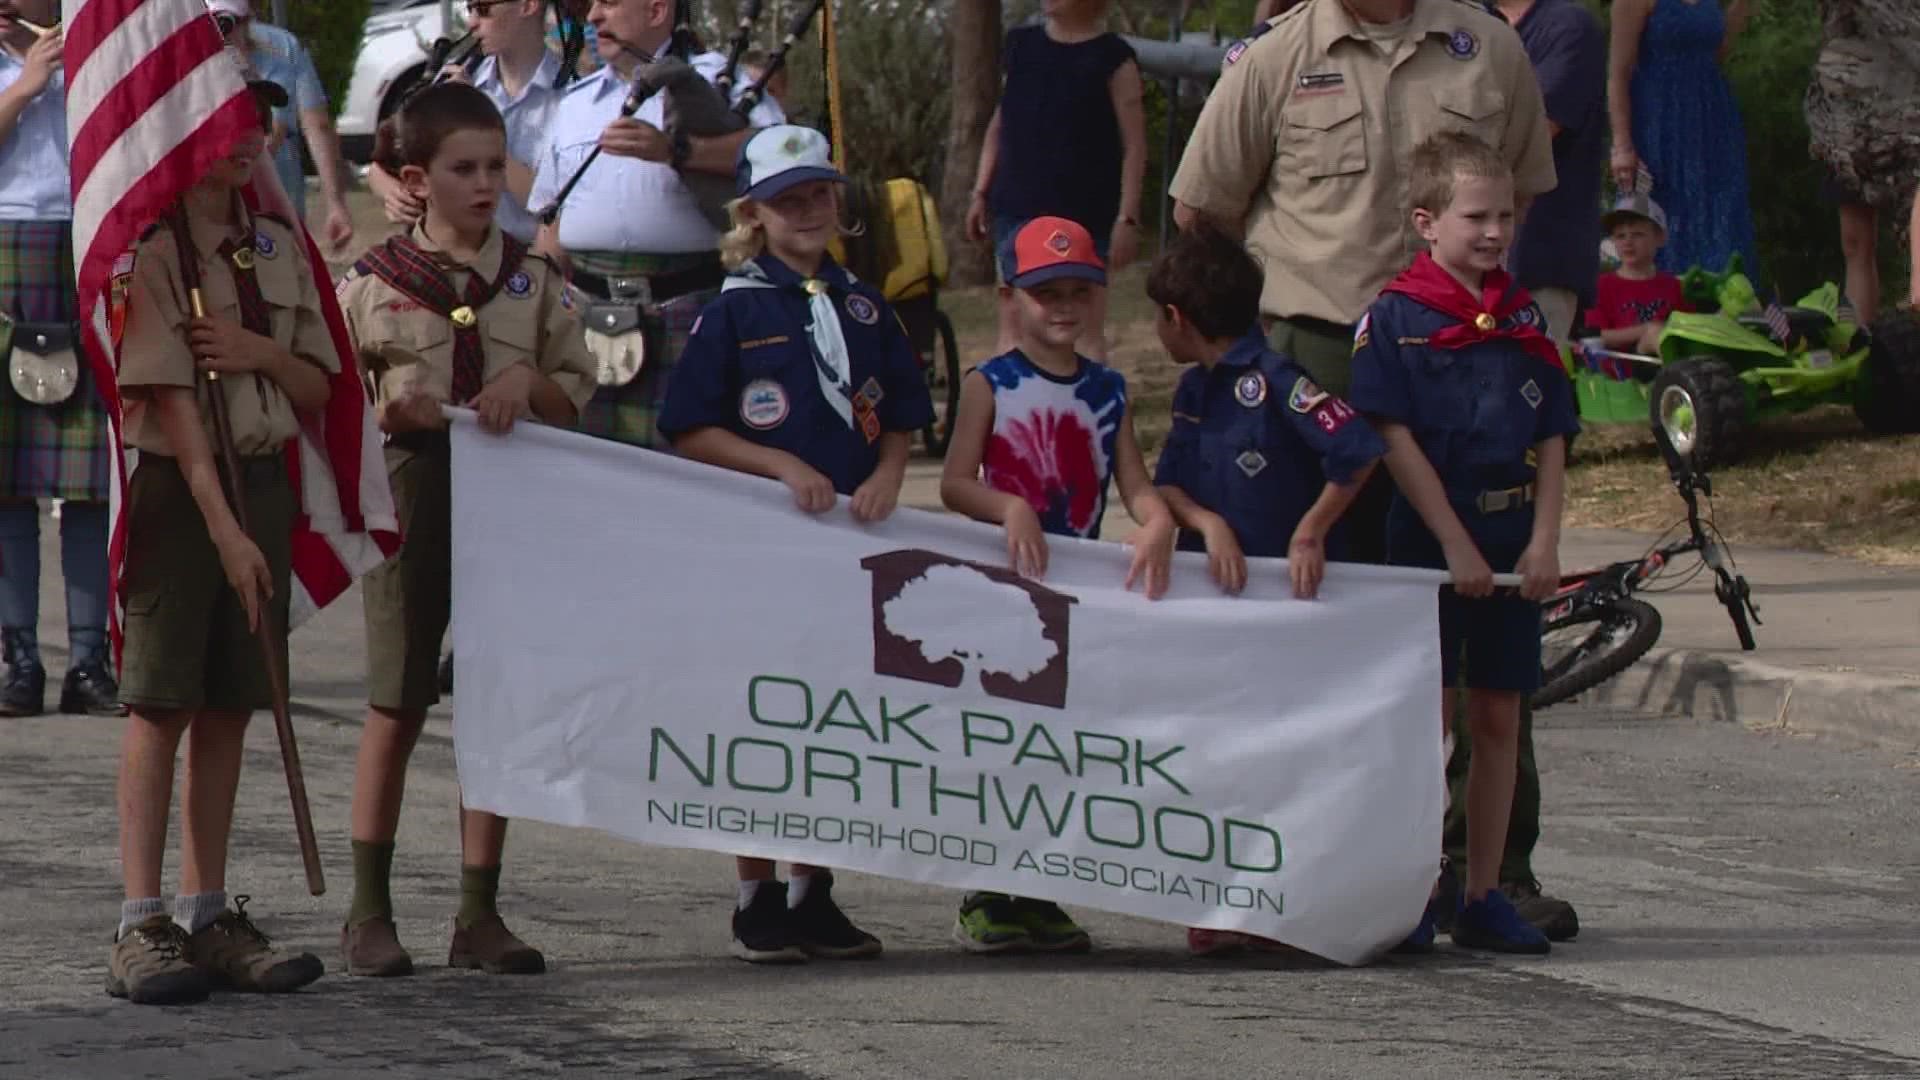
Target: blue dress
x=1687, y=128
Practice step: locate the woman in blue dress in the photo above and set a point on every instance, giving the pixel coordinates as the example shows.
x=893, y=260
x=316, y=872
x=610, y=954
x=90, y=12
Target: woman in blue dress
x=1674, y=114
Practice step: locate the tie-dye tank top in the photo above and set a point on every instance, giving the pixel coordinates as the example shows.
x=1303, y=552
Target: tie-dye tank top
x=1053, y=439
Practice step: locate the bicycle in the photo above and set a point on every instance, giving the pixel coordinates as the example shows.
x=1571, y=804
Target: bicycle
x=1594, y=626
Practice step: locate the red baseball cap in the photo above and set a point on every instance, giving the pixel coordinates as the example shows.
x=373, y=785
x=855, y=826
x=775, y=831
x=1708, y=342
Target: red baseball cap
x=1047, y=248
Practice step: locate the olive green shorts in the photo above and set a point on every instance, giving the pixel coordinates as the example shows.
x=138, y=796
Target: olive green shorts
x=1324, y=349
x=187, y=644
x=409, y=598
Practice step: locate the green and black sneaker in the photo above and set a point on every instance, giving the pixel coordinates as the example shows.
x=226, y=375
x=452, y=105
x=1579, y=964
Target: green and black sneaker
x=991, y=923
x=1051, y=929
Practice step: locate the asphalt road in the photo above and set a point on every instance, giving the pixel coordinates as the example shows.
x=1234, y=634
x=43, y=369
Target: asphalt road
x=1747, y=899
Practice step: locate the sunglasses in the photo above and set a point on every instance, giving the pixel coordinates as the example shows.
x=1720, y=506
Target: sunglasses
x=477, y=9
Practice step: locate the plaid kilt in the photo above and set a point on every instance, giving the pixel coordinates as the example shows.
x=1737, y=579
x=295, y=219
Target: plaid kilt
x=629, y=413
x=58, y=451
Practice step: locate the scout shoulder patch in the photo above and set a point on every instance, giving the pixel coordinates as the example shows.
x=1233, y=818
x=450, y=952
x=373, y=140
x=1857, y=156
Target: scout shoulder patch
x=864, y=311
x=1462, y=45
x=764, y=405
x=346, y=279
x=1332, y=414
x=519, y=284
x=1362, y=332
x=1306, y=395
x=1250, y=389
x=1239, y=48
x=264, y=245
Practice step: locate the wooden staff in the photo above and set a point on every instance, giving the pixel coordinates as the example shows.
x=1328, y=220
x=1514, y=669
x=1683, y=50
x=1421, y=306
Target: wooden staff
x=236, y=498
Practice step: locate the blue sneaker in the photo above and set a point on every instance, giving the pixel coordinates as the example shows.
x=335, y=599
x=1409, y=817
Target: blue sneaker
x=1421, y=940
x=1491, y=923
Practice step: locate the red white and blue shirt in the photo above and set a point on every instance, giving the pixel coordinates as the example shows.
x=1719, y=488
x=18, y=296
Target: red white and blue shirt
x=1053, y=439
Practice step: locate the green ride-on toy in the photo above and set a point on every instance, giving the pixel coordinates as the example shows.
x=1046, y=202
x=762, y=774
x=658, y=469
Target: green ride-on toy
x=1723, y=368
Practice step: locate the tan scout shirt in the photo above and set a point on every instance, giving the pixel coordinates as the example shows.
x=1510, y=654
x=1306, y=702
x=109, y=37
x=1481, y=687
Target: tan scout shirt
x=408, y=348
x=1309, y=134
x=153, y=345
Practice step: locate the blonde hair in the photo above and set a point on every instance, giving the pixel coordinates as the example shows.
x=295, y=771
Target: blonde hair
x=1441, y=160
x=745, y=240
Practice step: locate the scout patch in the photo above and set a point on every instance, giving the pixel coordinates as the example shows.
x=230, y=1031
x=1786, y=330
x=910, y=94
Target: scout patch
x=1251, y=462
x=865, y=412
x=1306, y=395
x=1250, y=389
x=264, y=245
x=340, y=287
x=1531, y=391
x=864, y=311
x=519, y=284
x=1462, y=45
x=871, y=392
x=764, y=405
x=1361, y=334
x=1332, y=414
x=1234, y=52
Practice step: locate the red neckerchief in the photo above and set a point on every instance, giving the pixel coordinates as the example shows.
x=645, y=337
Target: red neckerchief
x=1481, y=318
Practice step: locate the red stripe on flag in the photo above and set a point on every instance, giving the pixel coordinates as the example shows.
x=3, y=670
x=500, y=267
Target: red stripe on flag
x=86, y=30
x=157, y=73
x=319, y=568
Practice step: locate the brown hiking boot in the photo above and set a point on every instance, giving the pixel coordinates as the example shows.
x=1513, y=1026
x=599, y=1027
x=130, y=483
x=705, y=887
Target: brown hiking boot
x=491, y=947
x=148, y=966
x=1549, y=915
x=235, y=955
x=372, y=947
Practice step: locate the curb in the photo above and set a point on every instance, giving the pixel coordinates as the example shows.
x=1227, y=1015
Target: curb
x=1866, y=709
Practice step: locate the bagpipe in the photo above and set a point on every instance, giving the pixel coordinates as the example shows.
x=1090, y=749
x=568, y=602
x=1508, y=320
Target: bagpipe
x=693, y=106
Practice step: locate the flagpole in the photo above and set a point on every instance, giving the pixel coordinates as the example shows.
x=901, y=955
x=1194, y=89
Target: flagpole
x=264, y=626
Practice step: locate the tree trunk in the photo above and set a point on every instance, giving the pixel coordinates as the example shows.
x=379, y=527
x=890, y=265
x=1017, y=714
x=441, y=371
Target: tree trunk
x=974, y=29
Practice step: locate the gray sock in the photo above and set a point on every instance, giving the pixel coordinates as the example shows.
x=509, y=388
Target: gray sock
x=135, y=912
x=197, y=912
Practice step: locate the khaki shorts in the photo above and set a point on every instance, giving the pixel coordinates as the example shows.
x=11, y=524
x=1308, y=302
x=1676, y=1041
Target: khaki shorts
x=187, y=643
x=409, y=598
x=1324, y=349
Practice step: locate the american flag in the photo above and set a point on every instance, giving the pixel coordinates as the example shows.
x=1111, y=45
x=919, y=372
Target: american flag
x=153, y=97
x=1776, y=317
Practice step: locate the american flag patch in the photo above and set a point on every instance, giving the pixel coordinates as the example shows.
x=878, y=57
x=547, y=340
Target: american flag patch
x=1777, y=323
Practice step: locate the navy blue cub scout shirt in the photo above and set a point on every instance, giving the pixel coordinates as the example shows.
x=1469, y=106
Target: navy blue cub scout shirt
x=1477, y=411
x=749, y=368
x=1256, y=441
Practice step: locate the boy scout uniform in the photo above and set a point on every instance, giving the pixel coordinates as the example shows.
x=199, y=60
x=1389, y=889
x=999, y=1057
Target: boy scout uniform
x=1308, y=137
x=750, y=368
x=407, y=348
x=1256, y=441
x=187, y=641
x=1477, y=412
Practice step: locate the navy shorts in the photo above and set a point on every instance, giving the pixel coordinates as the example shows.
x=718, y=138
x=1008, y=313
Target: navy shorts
x=1494, y=641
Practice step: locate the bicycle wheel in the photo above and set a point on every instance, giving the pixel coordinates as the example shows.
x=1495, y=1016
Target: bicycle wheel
x=946, y=363
x=1590, y=646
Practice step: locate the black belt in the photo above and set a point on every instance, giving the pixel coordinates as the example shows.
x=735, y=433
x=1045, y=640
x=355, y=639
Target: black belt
x=1499, y=501
x=663, y=287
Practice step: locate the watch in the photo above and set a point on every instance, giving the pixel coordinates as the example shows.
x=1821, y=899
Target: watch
x=682, y=150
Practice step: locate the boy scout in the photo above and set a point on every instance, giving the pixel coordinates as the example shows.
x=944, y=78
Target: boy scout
x=1260, y=461
x=195, y=582
x=455, y=311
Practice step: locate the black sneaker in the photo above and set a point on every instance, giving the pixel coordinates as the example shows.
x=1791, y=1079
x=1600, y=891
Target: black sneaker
x=445, y=674
x=1551, y=915
x=820, y=928
x=24, y=692
x=763, y=931
x=90, y=691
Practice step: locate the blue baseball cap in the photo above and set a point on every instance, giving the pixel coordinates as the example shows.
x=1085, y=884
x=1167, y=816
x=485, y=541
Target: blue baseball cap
x=780, y=157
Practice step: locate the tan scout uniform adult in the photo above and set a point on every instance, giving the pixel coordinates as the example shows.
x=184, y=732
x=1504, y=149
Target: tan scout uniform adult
x=405, y=349
x=187, y=642
x=1308, y=137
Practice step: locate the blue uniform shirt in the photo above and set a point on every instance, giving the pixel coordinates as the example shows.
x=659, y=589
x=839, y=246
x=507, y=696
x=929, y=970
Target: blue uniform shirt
x=278, y=56
x=1477, y=412
x=1255, y=441
x=749, y=368
x=528, y=118
x=34, y=182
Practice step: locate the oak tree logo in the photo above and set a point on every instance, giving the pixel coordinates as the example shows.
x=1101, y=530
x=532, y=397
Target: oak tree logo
x=955, y=623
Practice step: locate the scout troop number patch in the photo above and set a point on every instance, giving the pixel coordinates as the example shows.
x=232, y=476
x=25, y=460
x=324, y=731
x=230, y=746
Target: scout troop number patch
x=1328, y=411
x=764, y=405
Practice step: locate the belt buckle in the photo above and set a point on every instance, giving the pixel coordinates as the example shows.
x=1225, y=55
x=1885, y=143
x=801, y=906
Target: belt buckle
x=637, y=289
x=1496, y=502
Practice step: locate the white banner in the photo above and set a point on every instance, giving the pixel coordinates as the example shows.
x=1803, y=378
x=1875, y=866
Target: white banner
x=675, y=654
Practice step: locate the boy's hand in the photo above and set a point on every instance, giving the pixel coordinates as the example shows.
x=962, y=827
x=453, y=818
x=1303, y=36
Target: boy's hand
x=1539, y=569
x=875, y=500
x=1649, y=342
x=414, y=412
x=1152, y=556
x=1026, y=542
x=246, y=570
x=225, y=346
x=505, y=399
x=1224, y=559
x=812, y=491
x=1472, y=577
x=1306, y=562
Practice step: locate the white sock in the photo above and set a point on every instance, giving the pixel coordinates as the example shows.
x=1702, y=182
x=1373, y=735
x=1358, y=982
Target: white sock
x=197, y=912
x=747, y=889
x=797, y=888
x=135, y=912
